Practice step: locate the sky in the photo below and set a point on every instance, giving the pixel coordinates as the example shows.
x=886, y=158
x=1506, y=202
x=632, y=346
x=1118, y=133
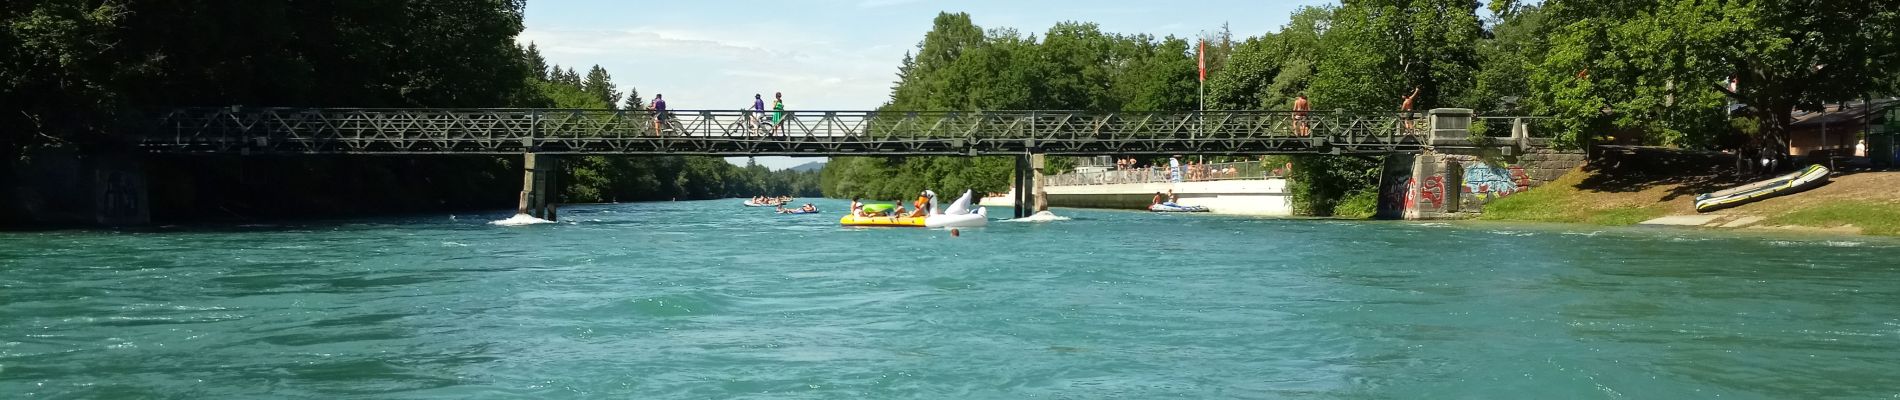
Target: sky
x=823, y=54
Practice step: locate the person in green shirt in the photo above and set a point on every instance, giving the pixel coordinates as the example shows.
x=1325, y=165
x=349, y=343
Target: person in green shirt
x=778, y=110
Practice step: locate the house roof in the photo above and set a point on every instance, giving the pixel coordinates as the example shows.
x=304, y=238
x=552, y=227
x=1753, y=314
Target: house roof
x=1843, y=113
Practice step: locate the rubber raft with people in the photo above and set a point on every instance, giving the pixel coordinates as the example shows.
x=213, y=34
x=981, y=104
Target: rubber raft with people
x=957, y=215
x=1172, y=207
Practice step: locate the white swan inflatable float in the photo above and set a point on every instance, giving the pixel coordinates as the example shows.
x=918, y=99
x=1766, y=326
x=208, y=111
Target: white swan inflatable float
x=958, y=215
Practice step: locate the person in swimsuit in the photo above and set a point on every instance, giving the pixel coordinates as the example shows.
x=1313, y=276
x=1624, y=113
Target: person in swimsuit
x=1300, y=108
x=922, y=204
x=1405, y=108
x=857, y=208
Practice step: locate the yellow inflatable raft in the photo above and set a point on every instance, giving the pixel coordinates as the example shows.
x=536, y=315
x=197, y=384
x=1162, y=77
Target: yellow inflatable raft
x=853, y=220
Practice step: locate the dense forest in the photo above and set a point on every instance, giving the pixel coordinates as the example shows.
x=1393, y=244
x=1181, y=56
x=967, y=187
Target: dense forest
x=76, y=75
x=1649, y=72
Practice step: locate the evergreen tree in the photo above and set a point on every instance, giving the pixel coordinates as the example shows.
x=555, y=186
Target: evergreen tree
x=634, y=102
x=601, y=86
x=537, y=66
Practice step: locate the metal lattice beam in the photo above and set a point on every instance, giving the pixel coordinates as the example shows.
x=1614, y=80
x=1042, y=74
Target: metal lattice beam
x=813, y=133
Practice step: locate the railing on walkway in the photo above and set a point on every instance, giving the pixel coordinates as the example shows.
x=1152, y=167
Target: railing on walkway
x=1187, y=173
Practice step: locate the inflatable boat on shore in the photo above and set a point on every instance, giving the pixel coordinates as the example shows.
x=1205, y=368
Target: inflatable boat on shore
x=1806, y=178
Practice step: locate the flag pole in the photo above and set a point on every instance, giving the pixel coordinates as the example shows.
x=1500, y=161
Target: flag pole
x=1201, y=112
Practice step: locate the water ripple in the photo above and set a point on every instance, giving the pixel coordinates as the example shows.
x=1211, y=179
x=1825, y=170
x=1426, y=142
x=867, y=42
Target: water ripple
x=710, y=300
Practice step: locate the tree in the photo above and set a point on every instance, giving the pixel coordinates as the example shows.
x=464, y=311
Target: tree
x=1267, y=72
x=600, y=85
x=634, y=102
x=1516, y=44
x=537, y=65
x=1377, y=51
x=1661, y=67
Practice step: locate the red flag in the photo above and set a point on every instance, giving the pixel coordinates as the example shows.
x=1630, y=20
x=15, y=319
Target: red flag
x=1203, y=55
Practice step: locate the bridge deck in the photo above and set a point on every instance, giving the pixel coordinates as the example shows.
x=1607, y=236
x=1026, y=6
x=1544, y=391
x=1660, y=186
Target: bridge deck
x=809, y=133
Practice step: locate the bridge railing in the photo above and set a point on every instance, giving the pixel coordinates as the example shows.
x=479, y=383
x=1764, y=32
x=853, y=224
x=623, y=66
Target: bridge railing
x=339, y=130
x=1160, y=174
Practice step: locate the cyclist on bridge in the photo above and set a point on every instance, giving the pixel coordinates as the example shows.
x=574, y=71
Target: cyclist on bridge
x=659, y=113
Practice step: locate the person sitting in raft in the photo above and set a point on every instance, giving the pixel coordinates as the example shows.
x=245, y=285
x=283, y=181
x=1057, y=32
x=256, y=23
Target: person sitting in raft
x=899, y=210
x=857, y=208
x=1172, y=201
x=808, y=208
x=922, y=204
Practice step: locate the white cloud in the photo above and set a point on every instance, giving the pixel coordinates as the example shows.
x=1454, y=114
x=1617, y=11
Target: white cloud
x=884, y=3
x=722, y=68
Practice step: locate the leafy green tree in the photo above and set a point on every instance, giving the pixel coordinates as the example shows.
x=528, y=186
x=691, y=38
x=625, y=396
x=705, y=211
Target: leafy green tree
x=1661, y=67
x=1376, y=52
x=1516, y=44
x=1267, y=72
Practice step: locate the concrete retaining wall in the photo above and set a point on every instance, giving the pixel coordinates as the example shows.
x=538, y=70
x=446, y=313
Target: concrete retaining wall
x=1442, y=184
x=66, y=189
x=1267, y=197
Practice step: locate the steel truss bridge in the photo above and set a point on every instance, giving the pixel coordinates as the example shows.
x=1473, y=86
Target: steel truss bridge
x=232, y=130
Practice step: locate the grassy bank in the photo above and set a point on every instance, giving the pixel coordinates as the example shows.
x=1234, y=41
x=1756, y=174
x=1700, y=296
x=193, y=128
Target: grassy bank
x=1866, y=203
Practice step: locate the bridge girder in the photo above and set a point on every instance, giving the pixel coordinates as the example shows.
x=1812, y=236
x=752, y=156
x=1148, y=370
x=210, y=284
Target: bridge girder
x=800, y=133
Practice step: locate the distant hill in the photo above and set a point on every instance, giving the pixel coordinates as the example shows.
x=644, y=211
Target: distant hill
x=808, y=167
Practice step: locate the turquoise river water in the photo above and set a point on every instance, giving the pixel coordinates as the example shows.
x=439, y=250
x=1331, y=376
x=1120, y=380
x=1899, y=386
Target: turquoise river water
x=712, y=300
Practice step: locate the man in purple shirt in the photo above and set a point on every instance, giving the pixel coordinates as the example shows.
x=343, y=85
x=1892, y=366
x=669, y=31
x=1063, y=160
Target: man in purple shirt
x=659, y=113
x=758, y=111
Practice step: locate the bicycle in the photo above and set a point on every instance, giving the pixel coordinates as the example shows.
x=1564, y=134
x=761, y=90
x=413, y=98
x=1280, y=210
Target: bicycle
x=751, y=123
x=665, y=124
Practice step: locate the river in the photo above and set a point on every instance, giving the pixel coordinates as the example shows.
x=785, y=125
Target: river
x=711, y=300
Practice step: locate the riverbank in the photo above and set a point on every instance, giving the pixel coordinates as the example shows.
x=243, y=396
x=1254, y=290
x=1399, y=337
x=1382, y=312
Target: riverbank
x=1865, y=203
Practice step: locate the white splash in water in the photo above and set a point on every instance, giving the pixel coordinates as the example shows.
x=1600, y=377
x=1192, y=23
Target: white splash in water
x=521, y=219
x=1043, y=216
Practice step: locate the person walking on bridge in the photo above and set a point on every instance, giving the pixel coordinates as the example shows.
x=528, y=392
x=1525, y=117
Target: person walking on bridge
x=758, y=111
x=778, y=110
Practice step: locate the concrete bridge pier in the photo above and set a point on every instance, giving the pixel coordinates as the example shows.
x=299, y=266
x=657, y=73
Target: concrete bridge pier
x=1030, y=198
x=1454, y=176
x=538, y=188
